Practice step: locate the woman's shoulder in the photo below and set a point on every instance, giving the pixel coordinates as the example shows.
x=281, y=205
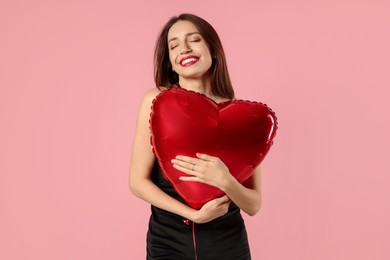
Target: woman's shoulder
x=151, y=93
x=146, y=102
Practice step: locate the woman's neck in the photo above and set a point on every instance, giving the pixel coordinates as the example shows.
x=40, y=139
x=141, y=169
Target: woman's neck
x=200, y=85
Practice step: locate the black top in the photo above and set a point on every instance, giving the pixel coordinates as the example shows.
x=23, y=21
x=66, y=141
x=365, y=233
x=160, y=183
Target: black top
x=171, y=237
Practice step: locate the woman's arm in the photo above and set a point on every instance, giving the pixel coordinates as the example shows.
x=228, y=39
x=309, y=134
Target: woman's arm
x=246, y=196
x=141, y=163
x=213, y=171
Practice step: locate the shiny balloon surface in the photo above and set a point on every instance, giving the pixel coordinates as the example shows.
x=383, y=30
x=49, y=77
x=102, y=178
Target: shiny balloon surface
x=184, y=122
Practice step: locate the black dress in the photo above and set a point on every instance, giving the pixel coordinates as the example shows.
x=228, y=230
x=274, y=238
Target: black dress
x=170, y=237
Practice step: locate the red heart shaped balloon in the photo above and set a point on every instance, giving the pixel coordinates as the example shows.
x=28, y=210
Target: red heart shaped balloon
x=184, y=122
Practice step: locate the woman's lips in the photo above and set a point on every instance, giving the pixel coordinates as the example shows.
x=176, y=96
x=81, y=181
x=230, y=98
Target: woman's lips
x=188, y=61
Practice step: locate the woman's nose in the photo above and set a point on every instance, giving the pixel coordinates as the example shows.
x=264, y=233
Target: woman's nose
x=185, y=49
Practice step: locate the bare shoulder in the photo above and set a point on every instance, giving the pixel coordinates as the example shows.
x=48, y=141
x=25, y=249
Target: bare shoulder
x=147, y=100
x=151, y=93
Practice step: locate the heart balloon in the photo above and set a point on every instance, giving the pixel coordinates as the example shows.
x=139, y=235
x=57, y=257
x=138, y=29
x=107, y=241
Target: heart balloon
x=184, y=122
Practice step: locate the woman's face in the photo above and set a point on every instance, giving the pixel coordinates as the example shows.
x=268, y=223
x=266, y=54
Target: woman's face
x=188, y=52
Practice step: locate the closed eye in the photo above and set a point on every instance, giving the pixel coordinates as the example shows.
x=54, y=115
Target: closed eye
x=194, y=40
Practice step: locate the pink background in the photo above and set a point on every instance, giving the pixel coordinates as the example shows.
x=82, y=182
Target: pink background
x=73, y=73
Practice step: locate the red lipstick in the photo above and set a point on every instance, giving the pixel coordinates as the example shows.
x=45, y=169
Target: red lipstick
x=193, y=58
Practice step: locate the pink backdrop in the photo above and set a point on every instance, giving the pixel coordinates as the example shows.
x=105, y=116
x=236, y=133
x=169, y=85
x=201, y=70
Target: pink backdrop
x=72, y=75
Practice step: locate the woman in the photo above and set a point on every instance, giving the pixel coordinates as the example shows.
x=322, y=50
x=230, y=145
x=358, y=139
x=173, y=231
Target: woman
x=189, y=55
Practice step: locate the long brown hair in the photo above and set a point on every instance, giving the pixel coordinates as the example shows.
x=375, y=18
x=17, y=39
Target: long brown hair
x=164, y=76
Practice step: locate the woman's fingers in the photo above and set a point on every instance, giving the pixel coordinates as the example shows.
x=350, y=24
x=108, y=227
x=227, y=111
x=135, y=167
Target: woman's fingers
x=186, y=159
x=201, y=156
x=183, y=164
x=183, y=178
x=205, y=169
x=206, y=157
x=223, y=199
x=184, y=169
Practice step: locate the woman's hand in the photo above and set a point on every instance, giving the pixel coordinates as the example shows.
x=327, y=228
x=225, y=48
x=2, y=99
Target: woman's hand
x=213, y=171
x=207, y=169
x=211, y=210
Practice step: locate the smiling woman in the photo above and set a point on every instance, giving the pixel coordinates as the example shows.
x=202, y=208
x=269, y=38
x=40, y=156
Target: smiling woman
x=189, y=55
x=198, y=33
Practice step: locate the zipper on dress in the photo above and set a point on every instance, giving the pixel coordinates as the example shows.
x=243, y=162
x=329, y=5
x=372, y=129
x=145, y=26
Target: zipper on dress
x=187, y=222
x=194, y=239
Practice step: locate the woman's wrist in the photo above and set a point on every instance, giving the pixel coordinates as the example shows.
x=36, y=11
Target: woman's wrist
x=199, y=217
x=195, y=217
x=228, y=183
x=191, y=214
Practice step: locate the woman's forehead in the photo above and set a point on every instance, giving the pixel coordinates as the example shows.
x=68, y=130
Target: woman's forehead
x=181, y=28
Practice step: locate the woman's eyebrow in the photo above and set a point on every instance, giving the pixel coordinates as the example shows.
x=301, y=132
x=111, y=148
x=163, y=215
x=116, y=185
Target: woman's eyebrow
x=187, y=34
